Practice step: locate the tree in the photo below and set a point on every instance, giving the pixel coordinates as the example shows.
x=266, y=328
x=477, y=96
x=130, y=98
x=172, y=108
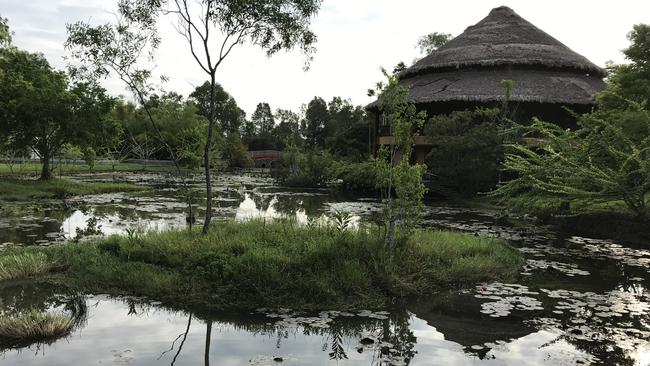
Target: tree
x=5, y=33
x=263, y=118
x=272, y=25
x=316, y=115
x=601, y=161
x=346, y=130
x=44, y=112
x=432, y=41
x=631, y=81
x=287, y=132
x=608, y=157
x=227, y=112
x=399, y=181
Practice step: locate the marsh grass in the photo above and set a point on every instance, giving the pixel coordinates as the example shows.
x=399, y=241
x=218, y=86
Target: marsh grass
x=33, y=326
x=25, y=189
x=23, y=265
x=280, y=263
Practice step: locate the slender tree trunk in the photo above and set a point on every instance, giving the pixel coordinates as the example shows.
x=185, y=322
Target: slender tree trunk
x=391, y=233
x=208, y=336
x=46, y=174
x=206, y=159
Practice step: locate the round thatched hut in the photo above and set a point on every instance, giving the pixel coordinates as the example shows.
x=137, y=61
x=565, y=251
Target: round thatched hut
x=468, y=72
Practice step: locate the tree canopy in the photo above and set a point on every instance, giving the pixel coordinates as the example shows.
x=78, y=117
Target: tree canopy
x=432, y=41
x=43, y=111
x=227, y=113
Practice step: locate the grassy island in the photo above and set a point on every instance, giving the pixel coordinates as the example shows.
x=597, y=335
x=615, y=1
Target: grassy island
x=279, y=263
x=24, y=189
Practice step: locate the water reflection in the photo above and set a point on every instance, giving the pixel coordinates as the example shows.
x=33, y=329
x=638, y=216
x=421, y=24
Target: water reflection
x=578, y=300
x=115, y=333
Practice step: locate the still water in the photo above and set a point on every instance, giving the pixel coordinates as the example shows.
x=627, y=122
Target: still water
x=578, y=300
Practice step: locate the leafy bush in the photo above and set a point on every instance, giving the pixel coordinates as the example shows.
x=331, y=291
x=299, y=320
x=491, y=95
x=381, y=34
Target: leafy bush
x=357, y=176
x=304, y=169
x=234, y=152
x=607, y=158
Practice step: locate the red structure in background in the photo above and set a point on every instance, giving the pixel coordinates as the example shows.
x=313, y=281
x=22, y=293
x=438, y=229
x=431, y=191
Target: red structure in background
x=264, y=158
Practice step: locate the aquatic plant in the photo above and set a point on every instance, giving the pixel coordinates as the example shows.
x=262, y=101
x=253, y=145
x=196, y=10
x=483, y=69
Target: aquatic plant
x=33, y=326
x=23, y=265
x=342, y=220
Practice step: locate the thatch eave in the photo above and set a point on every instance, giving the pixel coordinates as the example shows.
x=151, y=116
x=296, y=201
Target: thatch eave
x=485, y=86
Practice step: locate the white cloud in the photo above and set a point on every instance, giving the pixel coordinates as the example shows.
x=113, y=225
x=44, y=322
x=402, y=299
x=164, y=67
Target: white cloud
x=356, y=38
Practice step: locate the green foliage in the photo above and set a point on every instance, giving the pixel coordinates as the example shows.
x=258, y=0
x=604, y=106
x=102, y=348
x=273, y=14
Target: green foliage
x=631, y=81
x=432, y=42
x=304, y=169
x=5, y=33
x=466, y=150
x=280, y=263
x=345, y=131
x=234, y=152
x=263, y=118
x=399, y=181
x=312, y=127
x=42, y=111
x=605, y=159
x=357, y=176
x=287, y=132
x=227, y=112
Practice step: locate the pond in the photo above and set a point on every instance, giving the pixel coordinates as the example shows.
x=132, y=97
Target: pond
x=578, y=300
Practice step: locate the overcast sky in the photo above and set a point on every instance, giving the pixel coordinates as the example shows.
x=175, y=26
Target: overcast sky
x=355, y=39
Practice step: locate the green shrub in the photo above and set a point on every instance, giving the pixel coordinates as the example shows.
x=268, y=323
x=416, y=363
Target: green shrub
x=357, y=176
x=304, y=169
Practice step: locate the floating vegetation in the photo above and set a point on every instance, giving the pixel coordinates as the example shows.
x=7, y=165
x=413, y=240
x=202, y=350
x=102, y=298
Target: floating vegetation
x=565, y=268
x=508, y=297
x=288, y=318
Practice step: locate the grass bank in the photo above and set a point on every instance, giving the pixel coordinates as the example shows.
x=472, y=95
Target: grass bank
x=24, y=189
x=32, y=168
x=251, y=264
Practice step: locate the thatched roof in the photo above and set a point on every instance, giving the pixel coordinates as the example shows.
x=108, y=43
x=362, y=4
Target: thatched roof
x=503, y=46
x=541, y=86
x=503, y=38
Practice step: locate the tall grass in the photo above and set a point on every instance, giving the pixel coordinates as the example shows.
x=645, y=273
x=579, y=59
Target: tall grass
x=16, y=266
x=33, y=326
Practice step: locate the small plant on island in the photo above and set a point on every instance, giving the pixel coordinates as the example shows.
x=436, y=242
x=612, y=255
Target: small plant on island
x=399, y=181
